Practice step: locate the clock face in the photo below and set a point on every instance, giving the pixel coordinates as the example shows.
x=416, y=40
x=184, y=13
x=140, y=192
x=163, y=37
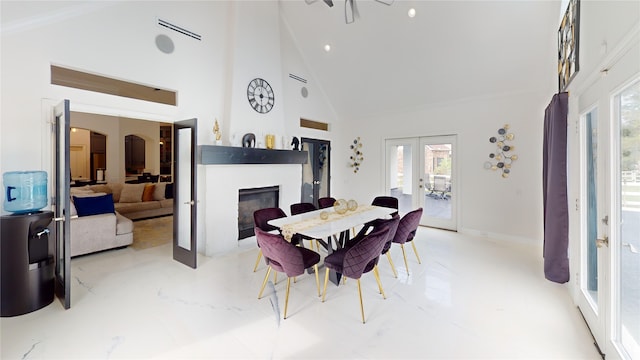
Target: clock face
x=260, y=95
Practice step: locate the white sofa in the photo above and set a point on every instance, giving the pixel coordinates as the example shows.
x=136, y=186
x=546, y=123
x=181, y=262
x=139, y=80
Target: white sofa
x=100, y=232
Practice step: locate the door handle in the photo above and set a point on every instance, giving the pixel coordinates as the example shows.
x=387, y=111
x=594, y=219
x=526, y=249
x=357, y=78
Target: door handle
x=189, y=202
x=62, y=218
x=631, y=247
x=602, y=242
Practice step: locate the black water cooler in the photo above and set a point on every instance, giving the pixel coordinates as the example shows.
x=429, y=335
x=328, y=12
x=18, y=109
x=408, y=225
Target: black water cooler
x=26, y=262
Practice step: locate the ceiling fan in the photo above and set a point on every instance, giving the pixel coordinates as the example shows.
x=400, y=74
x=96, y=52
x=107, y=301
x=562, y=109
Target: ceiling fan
x=350, y=8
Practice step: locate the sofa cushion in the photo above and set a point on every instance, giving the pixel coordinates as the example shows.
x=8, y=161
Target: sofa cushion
x=123, y=225
x=166, y=203
x=131, y=193
x=94, y=205
x=158, y=191
x=168, y=193
x=116, y=188
x=102, y=188
x=147, y=193
x=125, y=208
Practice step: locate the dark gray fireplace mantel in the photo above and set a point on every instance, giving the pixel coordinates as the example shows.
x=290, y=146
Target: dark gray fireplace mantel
x=227, y=155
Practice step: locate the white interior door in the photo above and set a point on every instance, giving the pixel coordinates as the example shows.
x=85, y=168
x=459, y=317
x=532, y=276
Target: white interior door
x=400, y=161
x=437, y=177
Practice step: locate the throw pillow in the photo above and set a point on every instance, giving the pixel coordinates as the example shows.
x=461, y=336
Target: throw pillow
x=158, y=191
x=117, y=190
x=131, y=193
x=147, y=194
x=168, y=191
x=94, y=205
x=101, y=188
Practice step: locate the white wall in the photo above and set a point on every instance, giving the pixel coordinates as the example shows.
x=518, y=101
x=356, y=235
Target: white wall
x=488, y=204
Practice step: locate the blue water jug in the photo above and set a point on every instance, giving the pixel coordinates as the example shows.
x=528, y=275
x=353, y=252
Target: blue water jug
x=25, y=191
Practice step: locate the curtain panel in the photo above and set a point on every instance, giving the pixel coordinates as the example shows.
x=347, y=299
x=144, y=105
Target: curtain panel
x=554, y=188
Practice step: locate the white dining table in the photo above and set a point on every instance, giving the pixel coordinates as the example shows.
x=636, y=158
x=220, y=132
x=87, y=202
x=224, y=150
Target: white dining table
x=335, y=228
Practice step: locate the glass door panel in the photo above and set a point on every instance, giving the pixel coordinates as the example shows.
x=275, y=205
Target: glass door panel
x=627, y=112
x=400, y=162
x=315, y=172
x=589, y=284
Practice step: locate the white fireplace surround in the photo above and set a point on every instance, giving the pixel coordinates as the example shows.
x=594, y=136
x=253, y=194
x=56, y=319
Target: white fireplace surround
x=219, y=199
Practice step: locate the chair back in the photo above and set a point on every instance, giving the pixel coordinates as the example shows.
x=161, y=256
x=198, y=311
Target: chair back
x=392, y=224
x=301, y=208
x=282, y=255
x=260, y=217
x=408, y=226
x=364, y=255
x=326, y=202
x=386, y=201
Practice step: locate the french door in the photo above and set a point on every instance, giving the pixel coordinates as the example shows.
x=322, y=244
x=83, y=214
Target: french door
x=421, y=172
x=61, y=200
x=184, y=203
x=609, y=265
x=316, y=171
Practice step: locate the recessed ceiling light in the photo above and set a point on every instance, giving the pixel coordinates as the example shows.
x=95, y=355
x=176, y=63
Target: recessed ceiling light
x=327, y=48
x=412, y=12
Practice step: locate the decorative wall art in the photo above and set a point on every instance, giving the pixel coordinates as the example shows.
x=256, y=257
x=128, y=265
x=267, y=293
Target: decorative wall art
x=216, y=133
x=568, y=41
x=503, y=156
x=357, y=158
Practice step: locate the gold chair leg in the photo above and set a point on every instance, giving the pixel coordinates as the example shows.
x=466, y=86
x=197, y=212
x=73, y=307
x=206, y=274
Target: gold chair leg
x=395, y=273
x=315, y=269
x=416, y=251
x=255, y=267
x=266, y=277
x=376, y=273
x=326, y=279
x=275, y=278
x=286, y=297
x=361, y=304
x=406, y=264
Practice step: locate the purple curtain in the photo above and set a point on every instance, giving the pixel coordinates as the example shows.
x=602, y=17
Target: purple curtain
x=554, y=188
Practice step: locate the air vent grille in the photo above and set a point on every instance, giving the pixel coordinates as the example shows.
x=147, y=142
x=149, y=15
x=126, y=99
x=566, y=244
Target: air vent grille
x=296, y=77
x=179, y=29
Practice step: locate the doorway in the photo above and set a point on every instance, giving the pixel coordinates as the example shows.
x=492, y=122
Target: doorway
x=421, y=172
x=316, y=173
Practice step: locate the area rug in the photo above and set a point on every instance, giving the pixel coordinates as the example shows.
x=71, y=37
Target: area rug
x=152, y=232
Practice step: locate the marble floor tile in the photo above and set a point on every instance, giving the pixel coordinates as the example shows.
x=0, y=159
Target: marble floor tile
x=471, y=298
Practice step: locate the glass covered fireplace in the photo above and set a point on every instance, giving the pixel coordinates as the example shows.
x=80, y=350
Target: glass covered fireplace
x=250, y=200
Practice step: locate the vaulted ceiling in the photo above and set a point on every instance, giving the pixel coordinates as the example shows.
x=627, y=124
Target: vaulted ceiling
x=451, y=50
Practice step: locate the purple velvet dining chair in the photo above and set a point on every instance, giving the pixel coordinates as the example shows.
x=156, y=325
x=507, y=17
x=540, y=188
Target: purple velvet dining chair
x=406, y=232
x=260, y=219
x=379, y=223
x=300, y=208
x=358, y=259
x=283, y=256
x=326, y=202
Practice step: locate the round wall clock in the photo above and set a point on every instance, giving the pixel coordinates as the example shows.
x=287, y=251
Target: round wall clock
x=260, y=95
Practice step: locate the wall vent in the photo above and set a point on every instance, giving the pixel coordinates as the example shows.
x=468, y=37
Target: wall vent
x=179, y=29
x=296, y=77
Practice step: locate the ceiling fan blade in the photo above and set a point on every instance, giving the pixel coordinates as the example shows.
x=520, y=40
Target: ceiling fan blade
x=386, y=2
x=329, y=2
x=349, y=12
